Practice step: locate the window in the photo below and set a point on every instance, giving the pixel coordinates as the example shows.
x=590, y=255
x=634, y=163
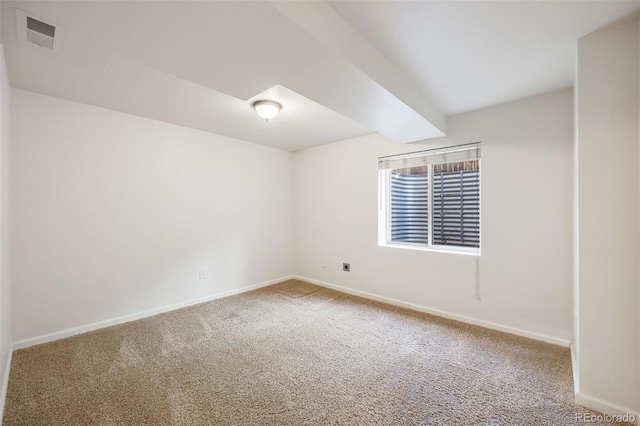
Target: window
x=431, y=199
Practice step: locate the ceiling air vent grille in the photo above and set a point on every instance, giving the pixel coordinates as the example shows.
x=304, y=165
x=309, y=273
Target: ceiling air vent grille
x=37, y=31
x=40, y=33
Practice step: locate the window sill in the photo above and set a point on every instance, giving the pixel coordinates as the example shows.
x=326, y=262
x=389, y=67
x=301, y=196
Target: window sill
x=420, y=247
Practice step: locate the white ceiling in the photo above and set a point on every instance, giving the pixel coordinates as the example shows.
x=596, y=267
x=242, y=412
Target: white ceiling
x=340, y=69
x=471, y=54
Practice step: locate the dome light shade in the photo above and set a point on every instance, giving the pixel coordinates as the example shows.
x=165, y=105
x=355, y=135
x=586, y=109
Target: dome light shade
x=267, y=109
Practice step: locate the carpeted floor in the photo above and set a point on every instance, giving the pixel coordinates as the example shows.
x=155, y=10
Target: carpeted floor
x=292, y=354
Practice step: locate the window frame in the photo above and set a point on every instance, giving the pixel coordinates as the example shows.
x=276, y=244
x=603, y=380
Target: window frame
x=384, y=218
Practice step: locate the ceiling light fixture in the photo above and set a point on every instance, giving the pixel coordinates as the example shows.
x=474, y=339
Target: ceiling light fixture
x=267, y=109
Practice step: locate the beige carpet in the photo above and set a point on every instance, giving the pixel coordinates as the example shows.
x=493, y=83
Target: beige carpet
x=291, y=354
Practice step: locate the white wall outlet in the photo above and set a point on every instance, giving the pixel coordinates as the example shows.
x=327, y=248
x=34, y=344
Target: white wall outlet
x=202, y=274
x=323, y=262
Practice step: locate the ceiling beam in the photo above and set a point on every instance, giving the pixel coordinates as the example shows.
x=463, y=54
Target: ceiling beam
x=321, y=21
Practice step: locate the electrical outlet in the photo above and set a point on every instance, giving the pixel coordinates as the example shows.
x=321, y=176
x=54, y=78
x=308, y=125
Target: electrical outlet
x=346, y=267
x=323, y=262
x=202, y=274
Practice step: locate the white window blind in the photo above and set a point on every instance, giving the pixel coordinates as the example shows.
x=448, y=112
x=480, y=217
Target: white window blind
x=452, y=155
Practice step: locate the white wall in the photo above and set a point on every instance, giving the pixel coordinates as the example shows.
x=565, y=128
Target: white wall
x=608, y=214
x=114, y=214
x=5, y=229
x=575, y=356
x=525, y=267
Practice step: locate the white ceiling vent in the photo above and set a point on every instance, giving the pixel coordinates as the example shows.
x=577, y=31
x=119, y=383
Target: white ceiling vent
x=38, y=31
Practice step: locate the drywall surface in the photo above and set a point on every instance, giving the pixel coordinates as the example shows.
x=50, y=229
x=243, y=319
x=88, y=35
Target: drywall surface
x=525, y=270
x=609, y=240
x=5, y=227
x=116, y=214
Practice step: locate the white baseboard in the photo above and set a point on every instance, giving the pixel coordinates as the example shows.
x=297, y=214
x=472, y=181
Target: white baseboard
x=469, y=320
x=606, y=407
x=50, y=337
x=5, y=384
